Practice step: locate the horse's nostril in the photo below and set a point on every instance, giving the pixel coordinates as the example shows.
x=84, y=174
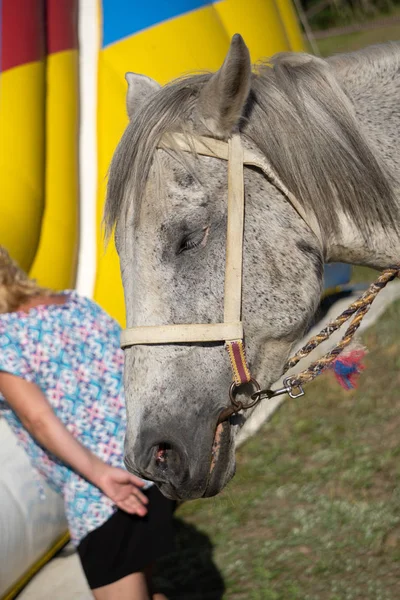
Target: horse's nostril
x=162, y=455
x=168, y=462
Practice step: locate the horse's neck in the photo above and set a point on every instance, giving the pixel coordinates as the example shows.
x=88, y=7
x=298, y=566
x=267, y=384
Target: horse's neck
x=372, y=81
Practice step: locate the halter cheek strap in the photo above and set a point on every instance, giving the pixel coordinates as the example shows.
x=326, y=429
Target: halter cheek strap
x=237, y=356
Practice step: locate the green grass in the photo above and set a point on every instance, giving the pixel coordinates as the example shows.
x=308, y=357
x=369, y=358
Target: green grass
x=363, y=275
x=357, y=40
x=313, y=512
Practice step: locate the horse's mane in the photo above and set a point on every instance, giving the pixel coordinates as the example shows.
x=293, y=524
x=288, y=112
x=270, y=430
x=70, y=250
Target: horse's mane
x=300, y=118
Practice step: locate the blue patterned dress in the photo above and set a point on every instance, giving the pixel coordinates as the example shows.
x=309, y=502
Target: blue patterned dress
x=71, y=351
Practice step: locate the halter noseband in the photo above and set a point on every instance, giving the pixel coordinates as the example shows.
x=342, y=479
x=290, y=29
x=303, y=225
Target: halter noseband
x=231, y=330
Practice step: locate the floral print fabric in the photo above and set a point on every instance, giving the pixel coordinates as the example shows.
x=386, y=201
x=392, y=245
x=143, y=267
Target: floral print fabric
x=71, y=351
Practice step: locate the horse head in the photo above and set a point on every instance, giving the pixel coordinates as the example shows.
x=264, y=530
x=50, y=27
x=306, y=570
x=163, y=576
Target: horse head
x=169, y=209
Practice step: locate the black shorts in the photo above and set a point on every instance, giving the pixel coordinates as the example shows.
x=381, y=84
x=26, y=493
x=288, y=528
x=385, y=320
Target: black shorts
x=127, y=543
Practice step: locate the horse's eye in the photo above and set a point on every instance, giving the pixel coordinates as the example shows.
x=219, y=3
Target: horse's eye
x=195, y=239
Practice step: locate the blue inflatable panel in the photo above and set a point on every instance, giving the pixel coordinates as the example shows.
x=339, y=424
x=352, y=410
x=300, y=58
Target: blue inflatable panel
x=122, y=18
x=336, y=274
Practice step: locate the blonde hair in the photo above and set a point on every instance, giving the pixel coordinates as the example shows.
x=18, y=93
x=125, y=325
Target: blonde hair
x=15, y=285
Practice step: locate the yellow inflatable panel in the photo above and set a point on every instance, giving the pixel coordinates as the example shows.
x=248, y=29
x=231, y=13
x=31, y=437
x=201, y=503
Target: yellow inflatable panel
x=39, y=137
x=22, y=114
x=291, y=24
x=258, y=21
x=55, y=262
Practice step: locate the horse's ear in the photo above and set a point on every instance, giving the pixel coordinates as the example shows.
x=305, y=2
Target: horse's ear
x=140, y=89
x=224, y=96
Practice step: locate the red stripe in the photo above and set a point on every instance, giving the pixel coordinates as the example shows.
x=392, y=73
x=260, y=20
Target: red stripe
x=239, y=363
x=26, y=29
x=22, y=32
x=62, y=25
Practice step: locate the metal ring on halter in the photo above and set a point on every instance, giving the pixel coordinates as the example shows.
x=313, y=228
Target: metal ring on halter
x=239, y=405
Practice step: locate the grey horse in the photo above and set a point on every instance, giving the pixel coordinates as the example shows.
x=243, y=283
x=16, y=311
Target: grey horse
x=330, y=129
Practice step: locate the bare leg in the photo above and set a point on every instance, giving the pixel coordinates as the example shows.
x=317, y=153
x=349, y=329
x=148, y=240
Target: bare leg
x=131, y=587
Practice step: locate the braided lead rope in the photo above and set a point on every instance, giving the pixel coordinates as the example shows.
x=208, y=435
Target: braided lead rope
x=360, y=308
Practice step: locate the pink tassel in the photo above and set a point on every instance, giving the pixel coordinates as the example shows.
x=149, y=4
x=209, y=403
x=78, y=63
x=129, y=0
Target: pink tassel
x=348, y=366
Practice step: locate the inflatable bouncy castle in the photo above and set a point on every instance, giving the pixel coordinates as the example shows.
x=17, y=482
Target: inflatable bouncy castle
x=62, y=112
x=39, y=137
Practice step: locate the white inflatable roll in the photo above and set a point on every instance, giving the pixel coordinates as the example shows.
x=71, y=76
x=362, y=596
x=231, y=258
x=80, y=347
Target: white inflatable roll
x=30, y=521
